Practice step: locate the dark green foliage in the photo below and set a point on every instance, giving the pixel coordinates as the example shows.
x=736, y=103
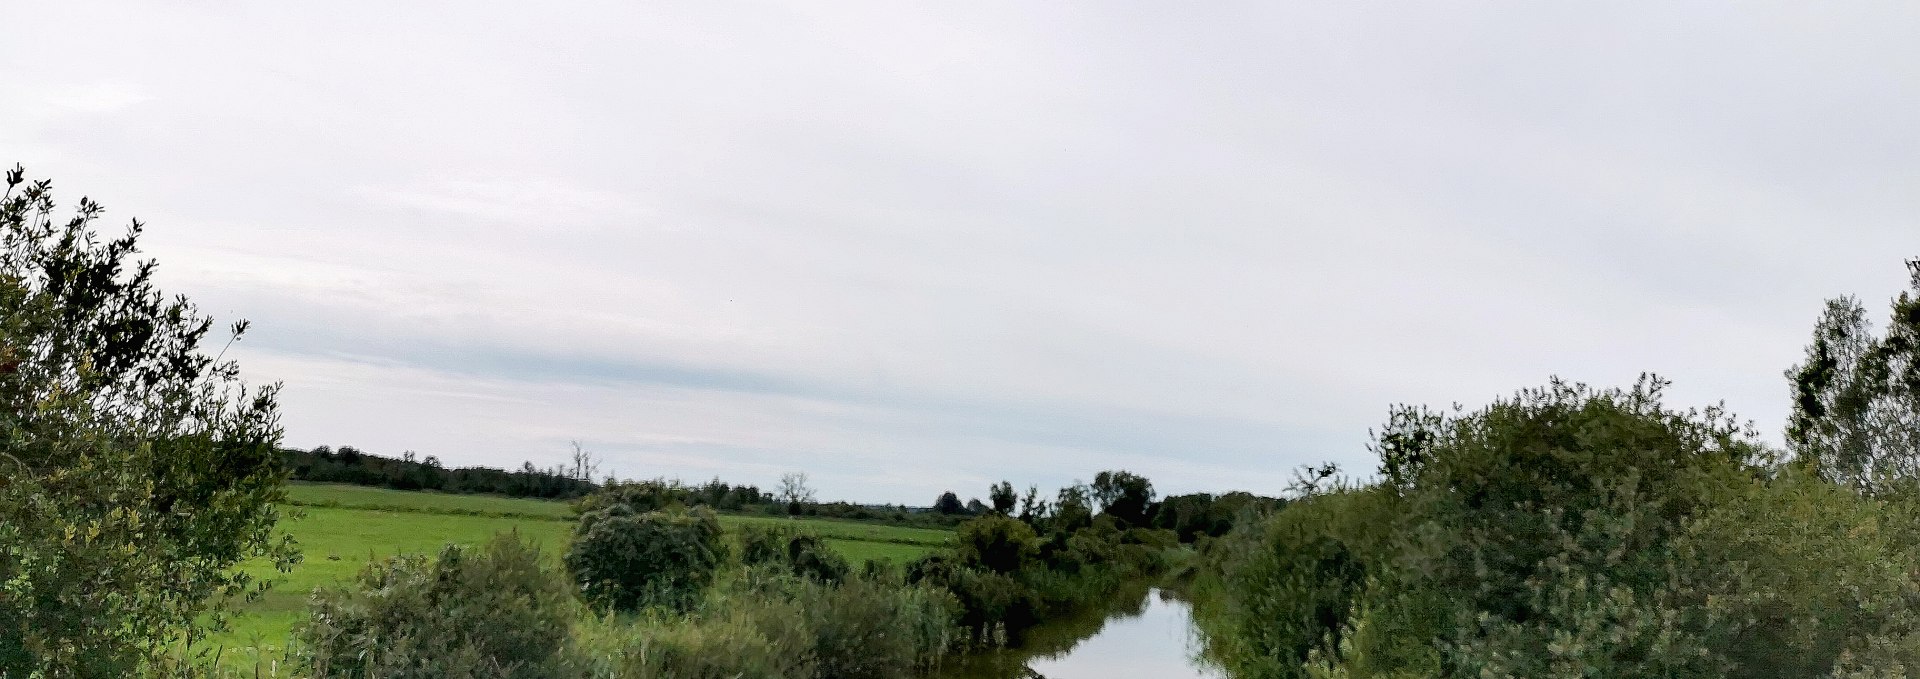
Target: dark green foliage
x=1201, y=514
x=637, y=497
x=1124, y=495
x=626, y=560
x=1072, y=509
x=996, y=543
x=488, y=612
x=949, y=504
x=1302, y=574
x=136, y=470
x=1003, y=498
x=349, y=465
x=1034, y=510
x=989, y=602
x=803, y=554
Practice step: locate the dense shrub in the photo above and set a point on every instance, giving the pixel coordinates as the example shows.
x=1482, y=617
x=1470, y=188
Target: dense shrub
x=495, y=611
x=626, y=560
x=804, y=554
x=991, y=604
x=996, y=543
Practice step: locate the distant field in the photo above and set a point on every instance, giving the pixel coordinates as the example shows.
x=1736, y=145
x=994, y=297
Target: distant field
x=345, y=527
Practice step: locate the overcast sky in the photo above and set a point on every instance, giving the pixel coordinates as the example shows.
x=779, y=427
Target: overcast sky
x=913, y=247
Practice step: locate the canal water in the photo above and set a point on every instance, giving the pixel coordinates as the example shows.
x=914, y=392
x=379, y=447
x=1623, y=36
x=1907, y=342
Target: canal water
x=1145, y=633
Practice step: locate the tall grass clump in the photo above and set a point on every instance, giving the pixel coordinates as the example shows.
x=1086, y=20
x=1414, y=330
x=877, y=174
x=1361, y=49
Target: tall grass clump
x=492, y=611
x=768, y=622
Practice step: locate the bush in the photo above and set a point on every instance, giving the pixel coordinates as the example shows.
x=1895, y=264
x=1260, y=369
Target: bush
x=626, y=561
x=996, y=543
x=488, y=612
x=1297, y=580
x=804, y=554
x=991, y=604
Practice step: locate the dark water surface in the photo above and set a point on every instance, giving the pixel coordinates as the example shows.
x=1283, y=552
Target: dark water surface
x=1145, y=633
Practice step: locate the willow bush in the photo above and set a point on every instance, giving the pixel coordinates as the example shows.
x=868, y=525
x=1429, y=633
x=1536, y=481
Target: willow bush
x=136, y=468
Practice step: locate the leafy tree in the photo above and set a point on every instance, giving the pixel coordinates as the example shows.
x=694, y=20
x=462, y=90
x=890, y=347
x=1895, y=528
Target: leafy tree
x=1003, y=498
x=975, y=507
x=136, y=471
x=1125, y=495
x=1072, y=508
x=1033, y=510
x=1856, y=408
x=627, y=560
x=949, y=504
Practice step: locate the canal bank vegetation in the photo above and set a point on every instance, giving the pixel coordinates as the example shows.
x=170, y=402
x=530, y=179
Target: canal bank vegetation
x=652, y=588
x=1577, y=532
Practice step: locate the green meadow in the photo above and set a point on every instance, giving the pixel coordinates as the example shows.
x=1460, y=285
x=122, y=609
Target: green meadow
x=341, y=528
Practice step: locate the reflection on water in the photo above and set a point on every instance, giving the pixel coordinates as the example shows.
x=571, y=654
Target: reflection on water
x=1140, y=633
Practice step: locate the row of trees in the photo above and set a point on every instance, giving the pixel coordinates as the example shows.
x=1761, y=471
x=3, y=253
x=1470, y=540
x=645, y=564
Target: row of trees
x=408, y=472
x=1127, y=498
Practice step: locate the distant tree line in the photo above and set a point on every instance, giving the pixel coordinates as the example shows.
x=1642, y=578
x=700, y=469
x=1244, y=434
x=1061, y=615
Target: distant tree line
x=347, y=464
x=1127, y=498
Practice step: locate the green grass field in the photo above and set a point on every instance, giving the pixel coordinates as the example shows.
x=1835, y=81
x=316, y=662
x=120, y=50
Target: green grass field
x=342, y=528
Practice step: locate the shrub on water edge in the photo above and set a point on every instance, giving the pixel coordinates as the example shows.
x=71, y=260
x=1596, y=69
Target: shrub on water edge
x=626, y=561
x=494, y=611
x=996, y=543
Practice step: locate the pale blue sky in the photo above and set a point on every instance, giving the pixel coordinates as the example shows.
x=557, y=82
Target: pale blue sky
x=909, y=247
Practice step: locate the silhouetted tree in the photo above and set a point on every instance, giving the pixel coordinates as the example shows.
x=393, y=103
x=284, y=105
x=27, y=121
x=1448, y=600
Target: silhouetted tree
x=1124, y=495
x=1003, y=498
x=794, y=492
x=949, y=504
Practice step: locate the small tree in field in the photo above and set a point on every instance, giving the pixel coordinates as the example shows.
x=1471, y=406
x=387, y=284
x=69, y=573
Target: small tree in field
x=794, y=492
x=136, y=471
